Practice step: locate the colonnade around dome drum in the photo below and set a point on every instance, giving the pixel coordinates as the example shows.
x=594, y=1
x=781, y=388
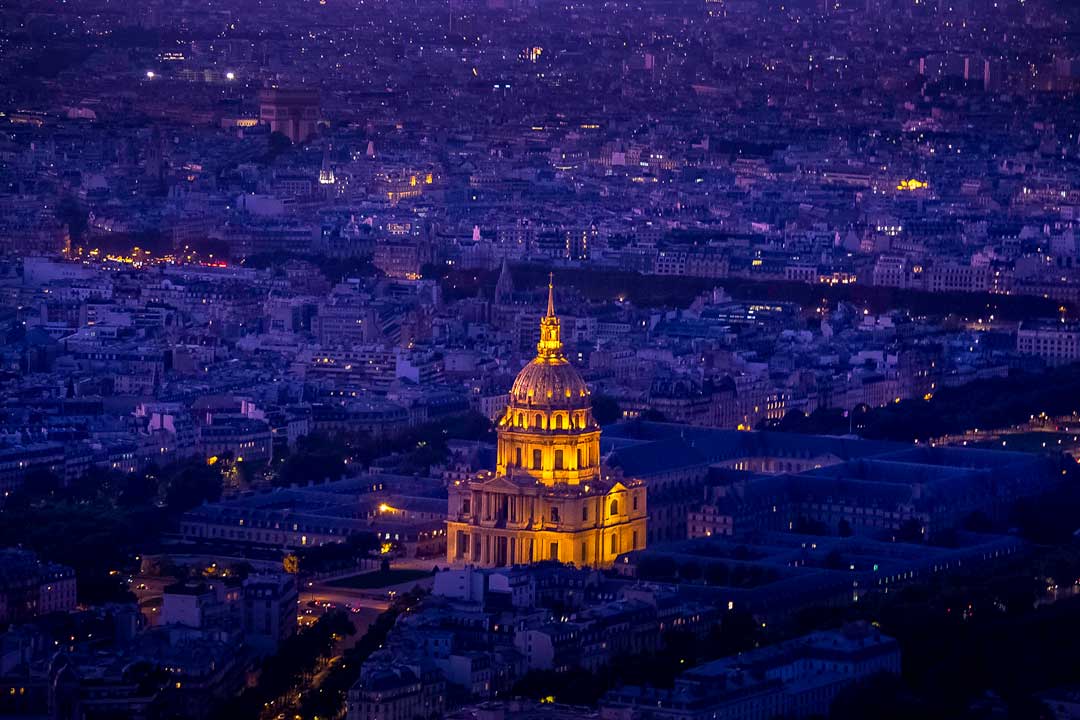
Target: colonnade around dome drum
x=549, y=460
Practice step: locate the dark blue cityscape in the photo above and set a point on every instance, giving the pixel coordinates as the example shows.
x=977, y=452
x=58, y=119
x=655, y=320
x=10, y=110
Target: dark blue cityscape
x=540, y=359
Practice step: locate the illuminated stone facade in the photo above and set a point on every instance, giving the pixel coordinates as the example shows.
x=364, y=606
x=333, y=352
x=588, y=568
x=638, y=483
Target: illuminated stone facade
x=549, y=497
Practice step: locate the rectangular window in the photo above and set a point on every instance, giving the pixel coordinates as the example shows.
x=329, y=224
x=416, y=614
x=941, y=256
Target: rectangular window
x=554, y=551
x=537, y=460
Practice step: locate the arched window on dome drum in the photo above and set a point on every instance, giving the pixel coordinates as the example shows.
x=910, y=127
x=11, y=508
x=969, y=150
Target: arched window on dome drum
x=538, y=462
x=614, y=507
x=558, y=459
x=540, y=421
x=520, y=420
x=562, y=422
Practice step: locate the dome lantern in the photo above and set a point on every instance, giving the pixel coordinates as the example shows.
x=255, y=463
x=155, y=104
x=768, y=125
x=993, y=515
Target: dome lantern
x=550, y=346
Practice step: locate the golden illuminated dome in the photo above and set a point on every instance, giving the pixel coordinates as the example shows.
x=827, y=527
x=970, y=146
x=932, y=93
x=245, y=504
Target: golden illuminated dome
x=548, y=434
x=550, y=497
x=549, y=381
x=546, y=385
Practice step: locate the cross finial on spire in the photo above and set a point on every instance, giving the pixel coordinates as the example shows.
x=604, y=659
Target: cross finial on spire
x=551, y=295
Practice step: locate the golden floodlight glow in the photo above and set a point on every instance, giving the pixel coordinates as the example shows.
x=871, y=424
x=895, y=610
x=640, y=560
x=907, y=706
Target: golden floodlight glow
x=912, y=184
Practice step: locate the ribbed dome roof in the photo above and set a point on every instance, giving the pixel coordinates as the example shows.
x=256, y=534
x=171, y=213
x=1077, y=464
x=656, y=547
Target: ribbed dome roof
x=547, y=384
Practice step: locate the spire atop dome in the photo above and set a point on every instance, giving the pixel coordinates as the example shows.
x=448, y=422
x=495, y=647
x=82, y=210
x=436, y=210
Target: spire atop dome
x=549, y=349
